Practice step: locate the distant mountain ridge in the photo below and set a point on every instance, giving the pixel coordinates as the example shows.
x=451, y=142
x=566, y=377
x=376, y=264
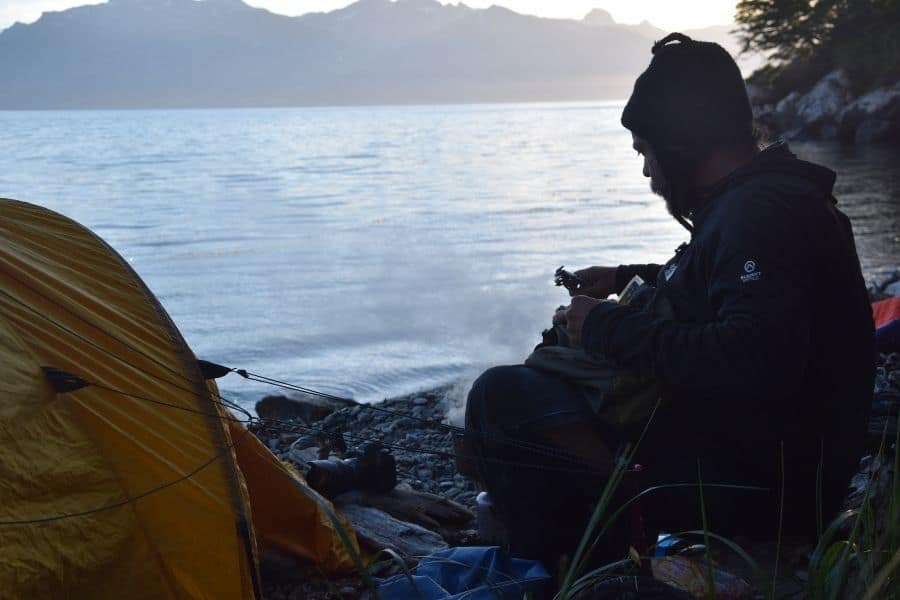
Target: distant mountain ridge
x=224, y=53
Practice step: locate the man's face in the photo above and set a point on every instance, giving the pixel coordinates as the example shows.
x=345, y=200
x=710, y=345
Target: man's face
x=658, y=183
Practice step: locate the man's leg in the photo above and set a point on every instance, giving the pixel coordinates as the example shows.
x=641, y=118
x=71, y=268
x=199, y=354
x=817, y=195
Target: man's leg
x=539, y=455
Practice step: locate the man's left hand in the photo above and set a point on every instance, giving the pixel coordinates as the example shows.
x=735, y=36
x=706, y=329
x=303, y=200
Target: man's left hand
x=576, y=314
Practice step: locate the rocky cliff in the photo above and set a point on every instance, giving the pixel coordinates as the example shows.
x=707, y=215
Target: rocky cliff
x=830, y=110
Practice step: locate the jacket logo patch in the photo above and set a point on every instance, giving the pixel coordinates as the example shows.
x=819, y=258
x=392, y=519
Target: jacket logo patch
x=670, y=270
x=750, y=272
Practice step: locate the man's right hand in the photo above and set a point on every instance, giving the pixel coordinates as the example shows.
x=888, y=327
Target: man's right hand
x=599, y=282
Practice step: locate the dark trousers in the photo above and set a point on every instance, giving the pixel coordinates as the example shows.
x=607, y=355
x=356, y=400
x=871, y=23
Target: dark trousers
x=545, y=499
x=543, y=495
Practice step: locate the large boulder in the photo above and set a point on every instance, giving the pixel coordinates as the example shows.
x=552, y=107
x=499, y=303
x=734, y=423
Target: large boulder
x=826, y=99
x=306, y=408
x=818, y=110
x=813, y=115
x=873, y=117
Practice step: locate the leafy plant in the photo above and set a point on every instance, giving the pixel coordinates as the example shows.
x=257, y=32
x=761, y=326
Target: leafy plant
x=857, y=548
x=807, y=38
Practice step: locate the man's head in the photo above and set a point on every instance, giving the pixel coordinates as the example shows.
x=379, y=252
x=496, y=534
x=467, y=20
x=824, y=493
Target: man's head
x=690, y=102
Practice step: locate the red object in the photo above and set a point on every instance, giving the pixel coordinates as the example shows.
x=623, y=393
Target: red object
x=886, y=311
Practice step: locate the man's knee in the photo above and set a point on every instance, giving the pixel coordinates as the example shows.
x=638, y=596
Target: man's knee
x=487, y=397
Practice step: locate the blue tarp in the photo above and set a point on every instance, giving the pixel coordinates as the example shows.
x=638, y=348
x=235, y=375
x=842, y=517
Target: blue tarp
x=472, y=573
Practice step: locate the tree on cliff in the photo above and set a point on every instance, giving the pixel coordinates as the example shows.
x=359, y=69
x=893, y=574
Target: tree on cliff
x=808, y=38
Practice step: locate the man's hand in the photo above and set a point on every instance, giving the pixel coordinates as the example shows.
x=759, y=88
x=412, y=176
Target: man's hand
x=576, y=314
x=599, y=282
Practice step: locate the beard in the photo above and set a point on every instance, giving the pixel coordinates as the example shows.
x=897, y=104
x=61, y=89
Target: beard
x=660, y=186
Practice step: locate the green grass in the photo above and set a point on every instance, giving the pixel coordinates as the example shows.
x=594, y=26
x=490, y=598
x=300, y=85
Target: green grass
x=855, y=549
x=858, y=551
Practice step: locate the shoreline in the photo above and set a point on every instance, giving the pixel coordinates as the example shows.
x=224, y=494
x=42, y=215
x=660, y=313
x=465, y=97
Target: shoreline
x=415, y=427
x=414, y=431
x=412, y=427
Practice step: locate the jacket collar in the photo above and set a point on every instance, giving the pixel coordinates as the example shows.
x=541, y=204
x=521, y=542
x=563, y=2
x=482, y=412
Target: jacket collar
x=774, y=158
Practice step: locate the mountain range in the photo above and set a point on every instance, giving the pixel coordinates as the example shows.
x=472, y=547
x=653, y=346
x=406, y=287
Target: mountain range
x=224, y=53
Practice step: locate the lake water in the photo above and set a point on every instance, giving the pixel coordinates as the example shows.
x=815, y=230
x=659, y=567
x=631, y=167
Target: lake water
x=370, y=252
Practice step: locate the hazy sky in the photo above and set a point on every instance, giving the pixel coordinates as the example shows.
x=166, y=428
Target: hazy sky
x=666, y=14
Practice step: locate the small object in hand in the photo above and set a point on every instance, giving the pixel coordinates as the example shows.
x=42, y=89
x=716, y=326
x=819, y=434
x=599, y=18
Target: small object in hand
x=568, y=280
x=631, y=289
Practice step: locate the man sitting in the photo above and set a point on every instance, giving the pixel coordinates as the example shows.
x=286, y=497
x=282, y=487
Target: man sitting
x=764, y=354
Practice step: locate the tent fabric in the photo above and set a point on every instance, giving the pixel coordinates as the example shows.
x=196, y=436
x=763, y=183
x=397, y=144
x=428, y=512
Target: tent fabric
x=140, y=481
x=885, y=311
x=886, y=314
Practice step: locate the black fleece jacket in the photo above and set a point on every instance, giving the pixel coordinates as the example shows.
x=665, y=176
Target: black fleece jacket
x=772, y=336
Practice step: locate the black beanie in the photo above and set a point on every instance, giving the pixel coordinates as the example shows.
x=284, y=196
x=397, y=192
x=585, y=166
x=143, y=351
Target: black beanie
x=691, y=97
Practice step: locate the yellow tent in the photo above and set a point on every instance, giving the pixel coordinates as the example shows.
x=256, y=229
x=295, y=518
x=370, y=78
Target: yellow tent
x=130, y=479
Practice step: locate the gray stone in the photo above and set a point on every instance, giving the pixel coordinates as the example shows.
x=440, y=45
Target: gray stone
x=826, y=100
x=892, y=288
x=787, y=106
x=883, y=276
x=420, y=400
x=308, y=409
x=874, y=131
x=881, y=107
x=424, y=474
x=302, y=456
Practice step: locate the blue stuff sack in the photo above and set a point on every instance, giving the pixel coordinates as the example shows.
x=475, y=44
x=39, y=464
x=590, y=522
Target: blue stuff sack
x=473, y=573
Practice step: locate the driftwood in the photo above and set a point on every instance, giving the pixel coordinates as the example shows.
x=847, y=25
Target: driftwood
x=377, y=530
x=428, y=510
x=407, y=521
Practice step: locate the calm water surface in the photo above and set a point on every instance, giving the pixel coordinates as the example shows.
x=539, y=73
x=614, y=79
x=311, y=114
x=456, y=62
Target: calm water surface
x=373, y=251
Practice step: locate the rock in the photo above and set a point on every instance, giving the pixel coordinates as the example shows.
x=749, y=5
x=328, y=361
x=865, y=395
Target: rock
x=787, y=106
x=301, y=456
x=814, y=114
x=829, y=111
x=873, y=117
x=424, y=452
x=873, y=131
x=892, y=288
x=880, y=278
x=826, y=99
x=308, y=409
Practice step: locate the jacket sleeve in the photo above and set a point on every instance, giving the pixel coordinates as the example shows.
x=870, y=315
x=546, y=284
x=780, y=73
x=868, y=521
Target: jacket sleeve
x=756, y=265
x=624, y=274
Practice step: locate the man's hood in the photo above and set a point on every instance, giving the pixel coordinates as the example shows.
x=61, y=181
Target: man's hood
x=775, y=159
